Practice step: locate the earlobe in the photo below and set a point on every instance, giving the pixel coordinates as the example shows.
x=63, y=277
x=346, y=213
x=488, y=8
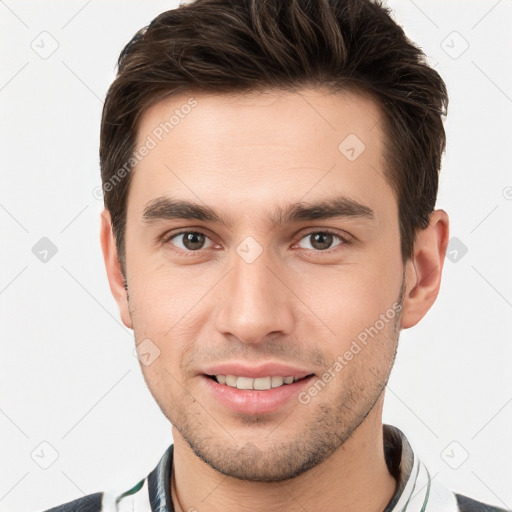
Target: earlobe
x=423, y=271
x=113, y=268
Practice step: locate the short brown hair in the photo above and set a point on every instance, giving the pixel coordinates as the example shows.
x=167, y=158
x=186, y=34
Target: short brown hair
x=219, y=46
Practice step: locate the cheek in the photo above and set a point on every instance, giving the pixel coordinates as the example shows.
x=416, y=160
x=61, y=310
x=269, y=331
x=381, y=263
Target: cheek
x=164, y=354
x=348, y=300
x=166, y=386
x=162, y=297
x=166, y=317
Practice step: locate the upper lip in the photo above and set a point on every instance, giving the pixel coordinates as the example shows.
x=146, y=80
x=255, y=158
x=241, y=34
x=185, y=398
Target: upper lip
x=252, y=371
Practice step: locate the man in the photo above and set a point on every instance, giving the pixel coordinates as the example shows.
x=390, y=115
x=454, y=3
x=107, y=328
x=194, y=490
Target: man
x=270, y=171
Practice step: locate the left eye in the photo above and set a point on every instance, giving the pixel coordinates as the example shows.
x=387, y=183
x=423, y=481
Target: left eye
x=190, y=241
x=321, y=240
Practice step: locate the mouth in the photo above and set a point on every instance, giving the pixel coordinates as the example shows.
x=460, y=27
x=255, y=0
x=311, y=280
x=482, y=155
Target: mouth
x=256, y=384
x=245, y=395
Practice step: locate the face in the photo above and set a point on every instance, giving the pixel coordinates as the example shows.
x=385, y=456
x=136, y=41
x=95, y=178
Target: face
x=263, y=242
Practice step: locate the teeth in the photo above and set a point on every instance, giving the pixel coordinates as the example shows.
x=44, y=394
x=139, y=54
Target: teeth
x=244, y=383
x=231, y=381
x=277, y=381
x=260, y=383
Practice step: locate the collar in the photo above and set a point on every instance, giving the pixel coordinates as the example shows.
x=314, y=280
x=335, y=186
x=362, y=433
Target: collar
x=416, y=491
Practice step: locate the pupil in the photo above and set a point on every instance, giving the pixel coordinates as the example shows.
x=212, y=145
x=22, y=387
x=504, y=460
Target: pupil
x=322, y=241
x=193, y=241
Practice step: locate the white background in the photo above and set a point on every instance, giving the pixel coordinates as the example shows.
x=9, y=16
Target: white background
x=68, y=374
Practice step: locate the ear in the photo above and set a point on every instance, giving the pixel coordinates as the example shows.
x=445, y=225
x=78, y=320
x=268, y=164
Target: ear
x=423, y=271
x=113, y=267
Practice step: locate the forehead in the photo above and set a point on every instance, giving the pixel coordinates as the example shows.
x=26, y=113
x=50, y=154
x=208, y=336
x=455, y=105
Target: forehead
x=249, y=149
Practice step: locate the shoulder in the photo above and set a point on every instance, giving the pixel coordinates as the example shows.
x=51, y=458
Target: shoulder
x=468, y=505
x=150, y=493
x=89, y=503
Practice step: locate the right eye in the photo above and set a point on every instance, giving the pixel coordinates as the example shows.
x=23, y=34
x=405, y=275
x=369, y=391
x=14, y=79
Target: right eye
x=189, y=241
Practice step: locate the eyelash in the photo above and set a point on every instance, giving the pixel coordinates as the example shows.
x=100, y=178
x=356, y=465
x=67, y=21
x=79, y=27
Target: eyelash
x=345, y=240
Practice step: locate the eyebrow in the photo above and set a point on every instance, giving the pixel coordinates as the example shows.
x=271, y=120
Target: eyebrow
x=168, y=208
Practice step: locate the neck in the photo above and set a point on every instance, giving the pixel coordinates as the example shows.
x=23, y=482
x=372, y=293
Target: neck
x=355, y=478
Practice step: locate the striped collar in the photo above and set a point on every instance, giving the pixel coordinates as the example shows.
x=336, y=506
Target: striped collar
x=416, y=491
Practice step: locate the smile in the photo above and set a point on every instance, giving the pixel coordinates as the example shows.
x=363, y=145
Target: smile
x=255, y=395
x=258, y=384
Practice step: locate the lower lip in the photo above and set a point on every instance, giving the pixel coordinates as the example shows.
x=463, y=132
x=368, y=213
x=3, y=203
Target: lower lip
x=255, y=402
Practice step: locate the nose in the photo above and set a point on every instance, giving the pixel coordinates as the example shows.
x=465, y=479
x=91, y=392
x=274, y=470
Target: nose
x=256, y=304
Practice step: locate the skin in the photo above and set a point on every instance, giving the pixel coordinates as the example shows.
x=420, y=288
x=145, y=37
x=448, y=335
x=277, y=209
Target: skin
x=297, y=303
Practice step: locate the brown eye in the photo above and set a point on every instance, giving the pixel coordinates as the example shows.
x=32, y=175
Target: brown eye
x=321, y=240
x=190, y=240
x=193, y=241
